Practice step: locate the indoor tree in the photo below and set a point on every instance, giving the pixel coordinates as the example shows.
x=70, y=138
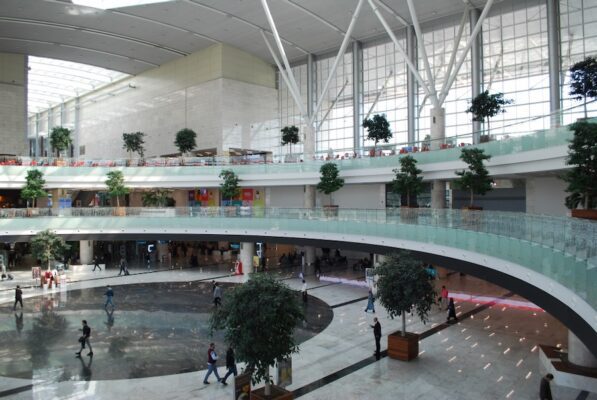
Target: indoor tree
x=33, y=189
x=583, y=80
x=329, y=180
x=290, y=135
x=485, y=106
x=133, y=143
x=267, y=336
x=156, y=198
x=378, y=129
x=582, y=155
x=476, y=180
x=60, y=139
x=115, y=184
x=229, y=188
x=185, y=140
x=407, y=180
x=47, y=246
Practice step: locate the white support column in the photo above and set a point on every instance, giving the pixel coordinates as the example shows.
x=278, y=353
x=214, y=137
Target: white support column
x=438, y=134
x=438, y=194
x=578, y=353
x=85, y=251
x=37, y=143
x=357, y=93
x=309, y=199
x=247, y=250
x=411, y=85
x=77, y=138
x=554, y=57
x=310, y=136
x=476, y=68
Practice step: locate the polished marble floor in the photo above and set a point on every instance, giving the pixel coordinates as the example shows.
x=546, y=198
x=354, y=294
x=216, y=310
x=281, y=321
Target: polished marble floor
x=490, y=353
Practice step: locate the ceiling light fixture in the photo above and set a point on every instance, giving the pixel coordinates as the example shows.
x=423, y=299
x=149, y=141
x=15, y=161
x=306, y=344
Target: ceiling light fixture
x=109, y=4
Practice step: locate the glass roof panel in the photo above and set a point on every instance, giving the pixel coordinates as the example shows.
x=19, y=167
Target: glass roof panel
x=52, y=82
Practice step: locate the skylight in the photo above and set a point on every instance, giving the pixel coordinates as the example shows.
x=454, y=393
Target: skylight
x=109, y=4
x=51, y=82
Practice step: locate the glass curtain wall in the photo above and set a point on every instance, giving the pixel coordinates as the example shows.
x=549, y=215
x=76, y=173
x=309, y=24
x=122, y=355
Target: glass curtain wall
x=289, y=111
x=515, y=63
x=379, y=61
x=334, y=120
x=578, y=34
x=439, y=39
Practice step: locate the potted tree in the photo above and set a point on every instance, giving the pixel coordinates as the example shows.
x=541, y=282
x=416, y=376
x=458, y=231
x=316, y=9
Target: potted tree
x=485, y=106
x=47, y=246
x=290, y=136
x=582, y=178
x=378, y=129
x=329, y=182
x=60, y=140
x=476, y=180
x=185, y=141
x=267, y=337
x=133, y=143
x=116, y=188
x=157, y=198
x=404, y=286
x=33, y=189
x=407, y=182
x=583, y=80
x=229, y=189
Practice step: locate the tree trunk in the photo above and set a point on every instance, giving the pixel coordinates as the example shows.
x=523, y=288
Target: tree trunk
x=408, y=199
x=117, y=202
x=403, y=323
x=268, y=386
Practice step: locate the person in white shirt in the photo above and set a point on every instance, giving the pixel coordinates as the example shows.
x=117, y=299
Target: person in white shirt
x=212, y=358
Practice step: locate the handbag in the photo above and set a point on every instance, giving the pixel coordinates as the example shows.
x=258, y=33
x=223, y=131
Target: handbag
x=82, y=339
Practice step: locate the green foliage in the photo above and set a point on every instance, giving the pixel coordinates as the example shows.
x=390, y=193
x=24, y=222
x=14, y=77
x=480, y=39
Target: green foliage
x=583, y=79
x=378, y=129
x=404, y=286
x=582, y=178
x=486, y=105
x=133, y=143
x=115, y=184
x=47, y=246
x=258, y=319
x=185, y=140
x=407, y=180
x=33, y=189
x=60, y=138
x=157, y=198
x=290, y=135
x=329, y=180
x=476, y=180
x=229, y=186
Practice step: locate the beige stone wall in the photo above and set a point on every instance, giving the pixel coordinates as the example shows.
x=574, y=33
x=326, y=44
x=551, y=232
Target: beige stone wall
x=13, y=104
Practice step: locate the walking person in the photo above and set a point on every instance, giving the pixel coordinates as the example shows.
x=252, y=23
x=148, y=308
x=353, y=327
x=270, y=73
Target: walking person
x=545, y=387
x=444, y=298
x=370, y=302
x=84, y=340
x=230, y=364
x=18, y=298
x=304, y=291
x=212, y=359
x=377, y=334
x=96, y=264
x=109, y=296
x=217, y=293
x=451, y=311
x=123, y=269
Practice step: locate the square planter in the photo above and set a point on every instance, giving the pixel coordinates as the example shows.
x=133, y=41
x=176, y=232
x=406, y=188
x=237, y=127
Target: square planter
x=585, y=214
x=277, y=393
x=330, y=211
x=404, y=348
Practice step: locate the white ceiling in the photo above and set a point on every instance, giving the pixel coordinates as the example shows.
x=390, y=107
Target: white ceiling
x=134, y=39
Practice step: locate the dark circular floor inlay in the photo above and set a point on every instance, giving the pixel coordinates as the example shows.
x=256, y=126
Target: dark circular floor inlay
x=156, y=329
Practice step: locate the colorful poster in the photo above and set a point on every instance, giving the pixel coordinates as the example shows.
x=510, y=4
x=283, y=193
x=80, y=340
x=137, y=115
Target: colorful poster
x=247, y=195
x=242, y=386
x=285, y=372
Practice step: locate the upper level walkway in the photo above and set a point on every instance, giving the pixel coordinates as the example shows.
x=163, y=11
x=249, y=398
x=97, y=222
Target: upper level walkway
x=541, y=151
x=552, y=261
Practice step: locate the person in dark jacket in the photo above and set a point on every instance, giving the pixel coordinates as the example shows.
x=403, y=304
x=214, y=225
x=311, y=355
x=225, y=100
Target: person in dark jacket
x=85, y=339
x=377, y=334
x=18, y=298
x=230, y=364
x=545, y=388
x=451, y=310
x=96, y=264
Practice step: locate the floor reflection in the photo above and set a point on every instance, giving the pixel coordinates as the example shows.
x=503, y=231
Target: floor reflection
x=156, y=329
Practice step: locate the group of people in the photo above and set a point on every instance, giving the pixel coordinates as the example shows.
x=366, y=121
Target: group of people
x=212, y=359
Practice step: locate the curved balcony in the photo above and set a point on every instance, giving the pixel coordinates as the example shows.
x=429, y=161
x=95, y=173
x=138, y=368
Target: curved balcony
x=552, y=261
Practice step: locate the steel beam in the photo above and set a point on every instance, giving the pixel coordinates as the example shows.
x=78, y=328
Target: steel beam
x=554, y=50
x=476, y=70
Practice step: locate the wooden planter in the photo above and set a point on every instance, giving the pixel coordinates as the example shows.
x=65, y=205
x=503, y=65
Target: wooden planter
x=119, y=211
x=278, y=393
x=330, y=211
x=409, y=214
x=404, y=348
x=585, y=214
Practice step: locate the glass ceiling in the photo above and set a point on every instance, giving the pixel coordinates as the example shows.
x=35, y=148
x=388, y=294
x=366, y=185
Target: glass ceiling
x=52, y=82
